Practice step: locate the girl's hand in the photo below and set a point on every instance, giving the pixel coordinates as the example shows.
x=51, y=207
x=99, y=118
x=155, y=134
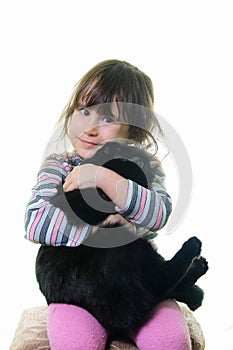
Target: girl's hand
x=82, y=176
x=94, y=176
x=119, y=219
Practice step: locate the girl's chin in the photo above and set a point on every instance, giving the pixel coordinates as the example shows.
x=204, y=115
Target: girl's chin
x=87, y=153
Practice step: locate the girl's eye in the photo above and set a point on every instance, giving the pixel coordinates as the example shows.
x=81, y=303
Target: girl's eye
x=84, y=112
x=108, y=119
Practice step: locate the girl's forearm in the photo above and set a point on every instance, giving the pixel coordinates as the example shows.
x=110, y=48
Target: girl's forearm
x=113, y=185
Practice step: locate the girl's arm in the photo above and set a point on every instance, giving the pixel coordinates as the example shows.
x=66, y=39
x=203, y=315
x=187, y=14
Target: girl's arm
x=44, y=222
x=149, y=208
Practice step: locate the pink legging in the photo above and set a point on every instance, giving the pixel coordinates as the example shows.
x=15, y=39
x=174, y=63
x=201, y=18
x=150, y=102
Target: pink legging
x=73, y=328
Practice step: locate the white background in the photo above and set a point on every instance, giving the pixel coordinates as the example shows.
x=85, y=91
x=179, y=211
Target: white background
x=186, y=48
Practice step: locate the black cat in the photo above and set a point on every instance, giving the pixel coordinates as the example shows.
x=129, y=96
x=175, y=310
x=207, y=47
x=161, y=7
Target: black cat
x=121, y=285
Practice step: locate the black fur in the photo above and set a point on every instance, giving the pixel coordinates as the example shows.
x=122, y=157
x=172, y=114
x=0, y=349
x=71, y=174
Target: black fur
x=120, y=286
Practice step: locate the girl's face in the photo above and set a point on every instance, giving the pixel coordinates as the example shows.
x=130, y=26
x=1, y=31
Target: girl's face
x=89, y=130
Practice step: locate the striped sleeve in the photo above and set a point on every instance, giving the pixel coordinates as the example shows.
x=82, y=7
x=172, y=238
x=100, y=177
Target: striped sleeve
x=149, y=208
x=45, y=223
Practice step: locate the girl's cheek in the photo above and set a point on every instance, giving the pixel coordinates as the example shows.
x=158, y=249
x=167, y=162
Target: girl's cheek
x=113, y=132
x=74, y=130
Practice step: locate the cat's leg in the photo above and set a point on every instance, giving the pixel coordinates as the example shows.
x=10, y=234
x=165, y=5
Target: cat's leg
x=191, y=296
x=186, y=291
x=197, y=269
x=174, y=270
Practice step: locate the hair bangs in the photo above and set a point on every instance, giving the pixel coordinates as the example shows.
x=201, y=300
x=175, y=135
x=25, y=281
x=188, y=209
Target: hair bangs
x=101, y=91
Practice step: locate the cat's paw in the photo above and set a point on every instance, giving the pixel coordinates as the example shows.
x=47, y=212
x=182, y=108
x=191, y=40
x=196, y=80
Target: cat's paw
x=200, y=265
x=195, y=298
x=197, y=269
x=193, y=246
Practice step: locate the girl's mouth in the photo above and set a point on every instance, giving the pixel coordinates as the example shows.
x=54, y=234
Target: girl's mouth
x=89, y=144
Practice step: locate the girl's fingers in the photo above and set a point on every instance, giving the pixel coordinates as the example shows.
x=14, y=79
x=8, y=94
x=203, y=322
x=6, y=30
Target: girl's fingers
x=81, y=177
x=69, y=187
x=71, y=181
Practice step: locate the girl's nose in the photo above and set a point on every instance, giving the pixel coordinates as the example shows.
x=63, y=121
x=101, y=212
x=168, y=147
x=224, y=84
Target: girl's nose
x=91, y=128
x=91, y=132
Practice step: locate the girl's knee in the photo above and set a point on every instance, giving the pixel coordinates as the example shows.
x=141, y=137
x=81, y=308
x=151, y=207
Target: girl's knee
x=166, y=329
x=72, y=328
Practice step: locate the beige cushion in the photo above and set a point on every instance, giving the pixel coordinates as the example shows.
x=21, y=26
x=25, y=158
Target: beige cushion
x=31, y=332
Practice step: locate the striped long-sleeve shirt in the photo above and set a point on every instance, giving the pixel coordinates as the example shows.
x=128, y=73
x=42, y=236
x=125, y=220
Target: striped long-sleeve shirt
x=47, y=224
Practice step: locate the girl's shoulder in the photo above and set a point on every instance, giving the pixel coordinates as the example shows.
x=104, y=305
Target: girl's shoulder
x=158, y=171
x=62, y=157
x=155, y=163
x=66, y=159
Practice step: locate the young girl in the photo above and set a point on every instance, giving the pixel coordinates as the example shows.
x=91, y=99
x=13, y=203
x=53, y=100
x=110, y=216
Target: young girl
x=113, y=101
